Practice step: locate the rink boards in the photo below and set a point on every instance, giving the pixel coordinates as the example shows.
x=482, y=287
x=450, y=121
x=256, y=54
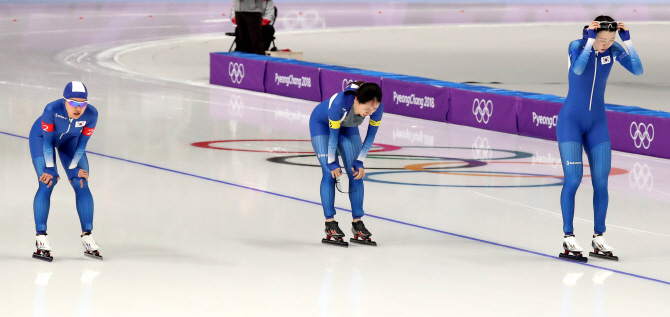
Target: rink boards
x=632, y=129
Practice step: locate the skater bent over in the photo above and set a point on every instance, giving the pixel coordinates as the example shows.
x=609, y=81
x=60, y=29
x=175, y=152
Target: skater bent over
x=333, y=127
x=66, y=125
x=582, y=123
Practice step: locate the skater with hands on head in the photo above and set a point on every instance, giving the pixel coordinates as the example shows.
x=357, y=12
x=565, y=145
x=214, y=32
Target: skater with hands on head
x=582, y=124
x=333, y=127
x=66, y=126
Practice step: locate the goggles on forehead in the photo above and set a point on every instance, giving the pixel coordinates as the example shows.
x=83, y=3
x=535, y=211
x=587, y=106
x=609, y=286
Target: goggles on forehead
x=613, y=25
x=76, y=103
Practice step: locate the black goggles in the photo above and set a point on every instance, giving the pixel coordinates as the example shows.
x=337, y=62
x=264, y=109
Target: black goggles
x=614, y=25
x=338, y=186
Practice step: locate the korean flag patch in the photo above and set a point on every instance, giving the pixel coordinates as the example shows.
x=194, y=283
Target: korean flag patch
x=79, y=124
x=605, y=60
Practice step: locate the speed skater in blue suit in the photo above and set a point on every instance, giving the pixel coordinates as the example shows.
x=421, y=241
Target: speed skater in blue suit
x=333, y=127
x=582, y=124
x=65, y=126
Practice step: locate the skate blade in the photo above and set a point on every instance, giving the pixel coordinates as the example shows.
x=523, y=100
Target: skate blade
x=365, y=242
x=604, y=257
x=93, y=255
x=42, y=257
x=575, y=258
x=335, y=242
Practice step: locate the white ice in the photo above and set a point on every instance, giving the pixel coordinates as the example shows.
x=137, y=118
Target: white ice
x=188, y=231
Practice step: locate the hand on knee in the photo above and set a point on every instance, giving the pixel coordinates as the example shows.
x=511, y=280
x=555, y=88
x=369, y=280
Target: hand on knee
x=49, y=177
x=50, y=183
x=78, y=182
x=78, y=175
x=334, y=168
x=358, y=169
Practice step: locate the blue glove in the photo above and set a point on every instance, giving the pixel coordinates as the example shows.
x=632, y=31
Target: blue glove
x=51, y=171
x=334, y=165
x=357, y=164
x=624, y=35
x=592, y=33
x=73, y=173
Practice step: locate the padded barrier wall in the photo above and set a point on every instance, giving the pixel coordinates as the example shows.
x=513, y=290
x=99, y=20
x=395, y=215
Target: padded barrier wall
x=632, y=129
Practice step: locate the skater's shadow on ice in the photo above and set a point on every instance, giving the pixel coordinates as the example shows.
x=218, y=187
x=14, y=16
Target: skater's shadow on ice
x=427, y=242
x=57, y=259
x=280, y=244
x=153, y=254
x=6, y=258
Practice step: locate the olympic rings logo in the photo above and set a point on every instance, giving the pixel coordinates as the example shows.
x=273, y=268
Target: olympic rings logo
x=645, y=134
x=302, y=20
x=236, y=72
x=236, y=106
x=345, y=83
x=641, y=177
x=483, y=110
x=481, y=150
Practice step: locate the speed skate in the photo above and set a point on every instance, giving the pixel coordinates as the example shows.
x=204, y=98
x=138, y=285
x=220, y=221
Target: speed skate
x=572, y=250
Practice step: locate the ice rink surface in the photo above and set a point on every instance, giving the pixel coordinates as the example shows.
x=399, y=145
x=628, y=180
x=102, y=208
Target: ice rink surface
x=468, y=221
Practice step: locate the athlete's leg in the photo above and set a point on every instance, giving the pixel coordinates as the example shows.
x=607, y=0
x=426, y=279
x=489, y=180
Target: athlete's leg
x=570, y=142
x=601, y=162
x=42, y=200
x=599, y=151
x=350, y=145
x=571, y=158
x=320, y=144
x=82, y=192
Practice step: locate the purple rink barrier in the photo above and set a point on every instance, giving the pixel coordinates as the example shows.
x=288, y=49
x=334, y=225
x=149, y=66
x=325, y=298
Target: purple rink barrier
x=538, y=118
x=333, y=81
x=632, y=130
x=236, y=72
x=484, y=110
x=292, y=80
x=415, y=100
x=639, y=134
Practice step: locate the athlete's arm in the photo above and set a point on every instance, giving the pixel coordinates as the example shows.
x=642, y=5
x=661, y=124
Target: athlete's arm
x=336, y=112
x=73, y=170
x=630, y=61
x=81, y=146
x=48, y=146
x=375, y=121
x=86, y=134
x=579, y=56
x=48, y=135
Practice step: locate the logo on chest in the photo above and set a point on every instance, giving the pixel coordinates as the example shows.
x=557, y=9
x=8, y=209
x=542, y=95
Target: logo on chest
x=59, y=116
x=79, y=124
x=605, y=60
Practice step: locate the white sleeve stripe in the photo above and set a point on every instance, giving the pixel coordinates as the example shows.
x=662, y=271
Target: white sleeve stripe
x=331, y=100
